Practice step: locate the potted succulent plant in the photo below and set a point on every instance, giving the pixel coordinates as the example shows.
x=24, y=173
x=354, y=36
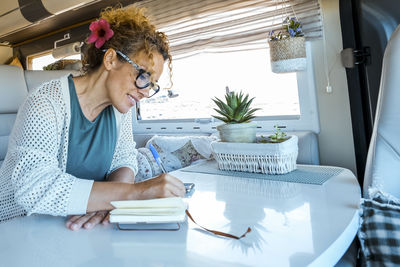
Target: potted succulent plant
x=277, y=137
x=287, y=47
x=274, y=154
x=236, y=113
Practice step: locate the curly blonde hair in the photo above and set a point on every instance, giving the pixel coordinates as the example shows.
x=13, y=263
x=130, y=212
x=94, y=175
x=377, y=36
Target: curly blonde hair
x=133, y=32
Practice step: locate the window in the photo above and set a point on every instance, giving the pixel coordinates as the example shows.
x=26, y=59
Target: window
x=287, y=99
x=224, y=43
x=198, y=78
x=38, y=61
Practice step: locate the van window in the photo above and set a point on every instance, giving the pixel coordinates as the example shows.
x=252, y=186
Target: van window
x=39, y=61
x=198, y=78
x=288, y=99
x=226, y=46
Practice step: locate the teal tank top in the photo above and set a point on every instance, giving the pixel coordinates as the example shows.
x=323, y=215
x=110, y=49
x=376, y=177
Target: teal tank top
x=90, y=144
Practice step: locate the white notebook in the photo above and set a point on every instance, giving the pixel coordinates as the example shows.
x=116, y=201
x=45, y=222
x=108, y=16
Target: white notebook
x=161, y=210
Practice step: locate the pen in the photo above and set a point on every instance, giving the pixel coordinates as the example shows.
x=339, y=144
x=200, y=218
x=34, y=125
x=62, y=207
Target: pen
x=157, y=158
x=188, y=186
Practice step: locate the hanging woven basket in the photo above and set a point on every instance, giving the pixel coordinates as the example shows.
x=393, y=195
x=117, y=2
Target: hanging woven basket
x=288, y=55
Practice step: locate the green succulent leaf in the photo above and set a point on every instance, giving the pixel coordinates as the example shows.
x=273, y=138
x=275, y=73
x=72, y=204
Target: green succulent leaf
x=228, y=99
x=218, y=102
x=245, y=99
x=228, y=116
x=248, y=118
x=251, y=111
x=221, y=119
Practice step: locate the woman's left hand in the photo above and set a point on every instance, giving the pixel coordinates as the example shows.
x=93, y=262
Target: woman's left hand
x=87, y=221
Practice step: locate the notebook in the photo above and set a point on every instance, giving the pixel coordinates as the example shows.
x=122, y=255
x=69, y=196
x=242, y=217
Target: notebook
x=153, y=211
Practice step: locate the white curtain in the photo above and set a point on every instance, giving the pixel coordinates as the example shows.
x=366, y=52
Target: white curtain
x=195, y=26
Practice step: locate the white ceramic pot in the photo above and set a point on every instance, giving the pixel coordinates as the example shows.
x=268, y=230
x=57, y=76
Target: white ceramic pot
x=238, y=132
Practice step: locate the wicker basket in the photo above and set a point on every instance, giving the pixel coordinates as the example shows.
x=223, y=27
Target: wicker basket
x=288, y=55
x=271, y=158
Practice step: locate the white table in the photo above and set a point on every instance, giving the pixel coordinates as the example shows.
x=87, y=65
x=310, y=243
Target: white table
x=292, y=224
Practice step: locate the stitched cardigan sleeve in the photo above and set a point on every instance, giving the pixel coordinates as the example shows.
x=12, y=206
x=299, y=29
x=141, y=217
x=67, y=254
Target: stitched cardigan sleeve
x=125, y=152
x=37, y=157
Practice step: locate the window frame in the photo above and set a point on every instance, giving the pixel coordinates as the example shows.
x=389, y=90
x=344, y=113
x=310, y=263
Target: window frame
x=307, y=121
x=30, y=58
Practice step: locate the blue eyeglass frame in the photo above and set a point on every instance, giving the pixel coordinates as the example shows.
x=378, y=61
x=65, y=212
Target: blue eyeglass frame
x=155, y=87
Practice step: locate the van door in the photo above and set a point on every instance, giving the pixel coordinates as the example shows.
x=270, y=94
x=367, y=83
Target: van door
x=366, y=28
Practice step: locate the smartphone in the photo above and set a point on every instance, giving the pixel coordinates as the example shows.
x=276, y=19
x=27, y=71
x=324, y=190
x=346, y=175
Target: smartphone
x=189, y=187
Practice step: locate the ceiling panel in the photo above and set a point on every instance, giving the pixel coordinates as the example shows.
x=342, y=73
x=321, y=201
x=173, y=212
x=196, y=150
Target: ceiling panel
x=57, y=6
x=7, y=5
x=12, y=22
x=20, y=30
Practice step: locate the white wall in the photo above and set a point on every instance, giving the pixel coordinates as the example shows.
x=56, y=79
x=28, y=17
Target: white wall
x=335, y=140
x=5, y=54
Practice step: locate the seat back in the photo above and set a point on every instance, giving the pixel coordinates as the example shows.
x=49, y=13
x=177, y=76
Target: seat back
x=13, y=91
x=34, y=78
x=14, y=86
x=383, y=161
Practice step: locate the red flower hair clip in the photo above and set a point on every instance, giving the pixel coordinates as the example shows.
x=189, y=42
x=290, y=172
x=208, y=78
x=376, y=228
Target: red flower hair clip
x=101, y=32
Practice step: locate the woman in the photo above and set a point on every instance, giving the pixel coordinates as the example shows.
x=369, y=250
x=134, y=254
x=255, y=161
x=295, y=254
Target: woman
x=72, y=150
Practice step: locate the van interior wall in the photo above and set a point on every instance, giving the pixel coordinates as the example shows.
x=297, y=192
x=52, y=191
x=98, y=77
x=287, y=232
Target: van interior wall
x=335, y=140
x=6, y=54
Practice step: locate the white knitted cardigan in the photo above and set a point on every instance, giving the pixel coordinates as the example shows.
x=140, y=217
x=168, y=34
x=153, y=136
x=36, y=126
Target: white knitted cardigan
x=33, y=176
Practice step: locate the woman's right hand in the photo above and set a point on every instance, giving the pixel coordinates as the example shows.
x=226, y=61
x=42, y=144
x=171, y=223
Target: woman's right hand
x=164, y=185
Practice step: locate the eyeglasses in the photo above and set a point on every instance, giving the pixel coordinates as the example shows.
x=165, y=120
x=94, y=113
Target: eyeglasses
x=143, y=79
